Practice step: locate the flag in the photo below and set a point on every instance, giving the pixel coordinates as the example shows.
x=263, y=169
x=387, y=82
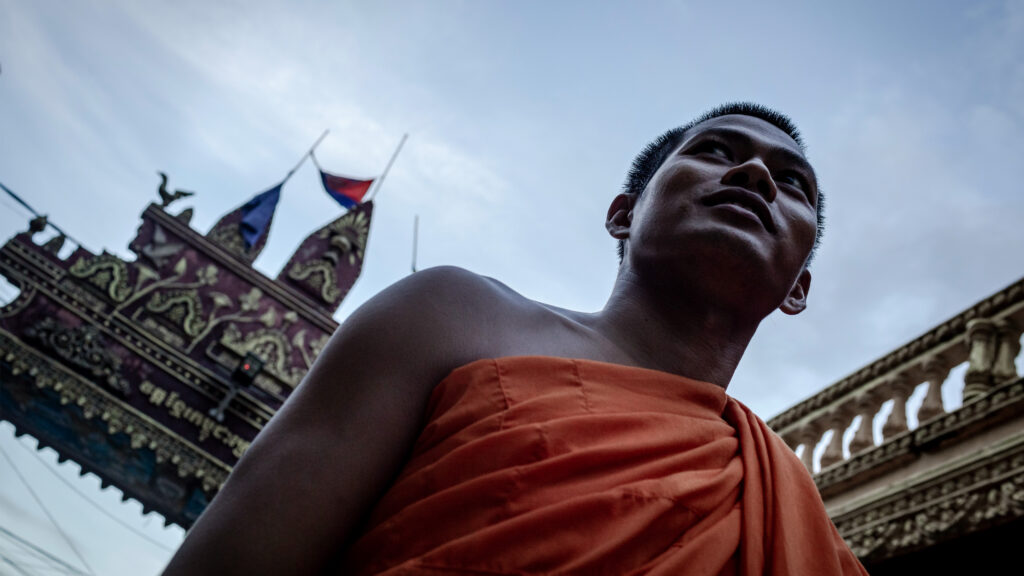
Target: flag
x=257, y=214
x=346, y=191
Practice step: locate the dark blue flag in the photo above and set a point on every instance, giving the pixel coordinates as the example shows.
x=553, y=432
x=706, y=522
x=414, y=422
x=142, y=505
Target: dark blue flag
x=257, y=214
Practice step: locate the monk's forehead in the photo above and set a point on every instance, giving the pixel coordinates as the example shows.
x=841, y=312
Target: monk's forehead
x=752, y=127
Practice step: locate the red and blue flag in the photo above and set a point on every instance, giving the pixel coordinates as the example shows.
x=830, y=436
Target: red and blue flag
x=346, y=191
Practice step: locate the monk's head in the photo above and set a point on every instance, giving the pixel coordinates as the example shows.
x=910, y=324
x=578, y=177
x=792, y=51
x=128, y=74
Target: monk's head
x=728, y=200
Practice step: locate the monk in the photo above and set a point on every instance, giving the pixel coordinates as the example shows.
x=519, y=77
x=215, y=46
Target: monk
x=453, y=426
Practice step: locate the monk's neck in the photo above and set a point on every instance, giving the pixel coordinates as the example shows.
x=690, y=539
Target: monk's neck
x=683, y=333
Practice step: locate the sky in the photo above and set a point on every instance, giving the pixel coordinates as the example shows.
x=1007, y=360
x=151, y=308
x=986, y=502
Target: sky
x=522, y=118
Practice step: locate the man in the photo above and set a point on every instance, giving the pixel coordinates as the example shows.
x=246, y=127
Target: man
x=453, y=426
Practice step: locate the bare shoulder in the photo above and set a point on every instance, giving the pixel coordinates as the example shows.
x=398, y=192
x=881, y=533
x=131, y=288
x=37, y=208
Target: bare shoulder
x=453, y=281
x=345, y=431
x=430, y=322
x=449, y=287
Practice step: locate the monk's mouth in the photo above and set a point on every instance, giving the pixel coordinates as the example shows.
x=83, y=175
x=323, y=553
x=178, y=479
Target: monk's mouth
x=743, y=203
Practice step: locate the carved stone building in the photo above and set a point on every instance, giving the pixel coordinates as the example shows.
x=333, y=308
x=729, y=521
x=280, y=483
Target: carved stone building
x=157, y=373
x=945, y=496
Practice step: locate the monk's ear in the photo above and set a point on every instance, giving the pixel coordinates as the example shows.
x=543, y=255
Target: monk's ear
x=796, y=300
x=620, y=216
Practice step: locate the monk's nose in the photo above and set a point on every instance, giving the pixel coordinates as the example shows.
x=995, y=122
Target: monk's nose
x=754, y=176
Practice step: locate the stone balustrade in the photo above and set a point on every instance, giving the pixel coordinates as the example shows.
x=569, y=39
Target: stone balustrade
x=986, y=336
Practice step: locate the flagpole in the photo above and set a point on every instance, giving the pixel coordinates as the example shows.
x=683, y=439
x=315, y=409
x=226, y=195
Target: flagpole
x=377, y=183
x=306, y=155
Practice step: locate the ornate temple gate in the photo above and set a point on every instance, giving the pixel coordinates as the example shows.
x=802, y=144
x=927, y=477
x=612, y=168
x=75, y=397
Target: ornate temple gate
x=156, y=374
x=947, y=495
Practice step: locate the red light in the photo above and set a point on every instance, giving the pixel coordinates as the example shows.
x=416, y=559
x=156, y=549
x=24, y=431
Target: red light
x=245, y=366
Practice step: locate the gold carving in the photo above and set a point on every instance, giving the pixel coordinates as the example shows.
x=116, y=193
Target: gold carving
x=220, y=300
x=348, y=235
x=179, y=302
x=144, y=432
x=316, y=346
x=107, y=272
x=207, y=275
x=251, y=300
x=162, y=332
x=160, y=248
x=178, y=409
x=318, y=275
x=82, y=346
x=182, y=307
x=270, y=345
x=145, y=273
x=82, y=297
x=26, y=292
x=346, y=239
x=269, y=318
x=35, y=259
x=229, y=237
x=299, y=342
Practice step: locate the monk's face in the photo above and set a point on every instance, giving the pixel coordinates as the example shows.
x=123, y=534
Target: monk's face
x=733, y=208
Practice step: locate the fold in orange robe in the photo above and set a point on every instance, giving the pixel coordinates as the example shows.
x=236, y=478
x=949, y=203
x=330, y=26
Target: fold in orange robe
x=540, y=465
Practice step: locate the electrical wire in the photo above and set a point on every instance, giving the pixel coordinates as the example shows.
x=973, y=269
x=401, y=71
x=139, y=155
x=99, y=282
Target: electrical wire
x=15, y=208
x=37, y=553
x=46, y=511
x=12, y=564
x=94, y=504
x=19, y=200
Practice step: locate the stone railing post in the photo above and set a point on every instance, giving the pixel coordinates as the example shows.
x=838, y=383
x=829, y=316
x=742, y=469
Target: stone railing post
x=794, y=440
x=838, y=423
x=809, y=437
x=936, y=370
x=807, y=458
x=899, y=388
x=982, y=342
x=867, y=407
x=1004, y=368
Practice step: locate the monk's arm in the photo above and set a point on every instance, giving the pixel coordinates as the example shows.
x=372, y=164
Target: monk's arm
x=293, y=501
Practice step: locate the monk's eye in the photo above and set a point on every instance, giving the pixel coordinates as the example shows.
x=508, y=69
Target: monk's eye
x=792, y=180
x=715, y=149
x=796, y=181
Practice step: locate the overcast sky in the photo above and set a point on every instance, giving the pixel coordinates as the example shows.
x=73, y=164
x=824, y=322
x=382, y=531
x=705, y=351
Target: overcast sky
x=522, y=118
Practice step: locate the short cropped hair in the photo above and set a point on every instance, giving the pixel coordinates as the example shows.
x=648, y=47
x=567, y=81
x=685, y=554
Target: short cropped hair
x=654, y=154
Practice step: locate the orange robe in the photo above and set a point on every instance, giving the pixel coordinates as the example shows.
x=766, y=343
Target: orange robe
x=540, y=465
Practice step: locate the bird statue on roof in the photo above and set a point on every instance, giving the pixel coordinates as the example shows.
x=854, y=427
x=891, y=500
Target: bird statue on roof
x=167, y=197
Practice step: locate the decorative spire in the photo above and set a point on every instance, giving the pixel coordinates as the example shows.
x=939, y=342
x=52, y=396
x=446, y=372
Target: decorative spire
x=243, y=231
x=328, y=262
